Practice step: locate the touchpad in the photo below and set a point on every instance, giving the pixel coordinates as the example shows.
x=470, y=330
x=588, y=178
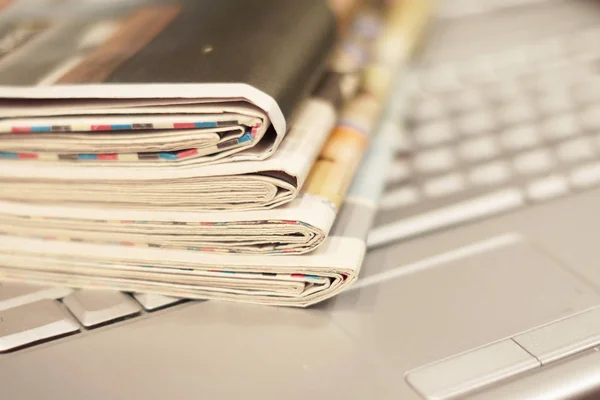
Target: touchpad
x=412, y=315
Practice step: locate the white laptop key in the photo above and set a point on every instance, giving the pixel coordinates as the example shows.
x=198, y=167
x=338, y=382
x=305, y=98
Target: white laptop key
x=585, y=176
x=476, y=73
x=479, y=149
x=508, y=65
x=434, y=133
x=563, y=72
x=94, y=307
x=14, y=294
x=560, y=127
x=590, y=118
x=441, y=78
x=554, y=101
x=151, y=302
x=563, y=338
x=476, y=123
x=542, y=53
x=489, y=174
x=547, y=188
x=464, y=101
x=533, y=162
x=444, y=185
x=33, y=322
x=399, y=171
x=520, y=137
x=436, y=160
x=503, y=92
x=428, y=108
x=516, y=112
x=402, y=197
x=470, y=371
x=469, y=210
x=576, y=150
x=587, y=92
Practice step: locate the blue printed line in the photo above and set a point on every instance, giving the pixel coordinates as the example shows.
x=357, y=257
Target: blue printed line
x=121, y=127
x=87, y=156
x=41, y=129
x=246, y=138
x=8, y=155
x=167, y=156
x=205, y=124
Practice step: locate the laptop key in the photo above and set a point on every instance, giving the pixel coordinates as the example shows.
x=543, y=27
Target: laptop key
x=560, y=127
x=476, y=123
x=479, y=149
x=434, y=133
x=444, y=185
x=437, y=160
x=576, y=150
x=97, y=307
x=34, y=322
x=534, y=162
x=13, y=294
x=402, y=197
x=152, y=302
x=554, y=101
x=547, y=188
x=492, y=173
x=589, y=118
x=520, y=138
x=518, y=111
x=585, y=176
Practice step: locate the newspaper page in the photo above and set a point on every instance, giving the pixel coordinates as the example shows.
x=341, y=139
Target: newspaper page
x=94, y=100
x=292, y=280
x=297, y=227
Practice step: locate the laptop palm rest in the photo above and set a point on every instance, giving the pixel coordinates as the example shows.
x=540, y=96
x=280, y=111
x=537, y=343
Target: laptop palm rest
x=482, y=294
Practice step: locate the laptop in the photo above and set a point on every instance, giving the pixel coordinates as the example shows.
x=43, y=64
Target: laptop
x=482, y=280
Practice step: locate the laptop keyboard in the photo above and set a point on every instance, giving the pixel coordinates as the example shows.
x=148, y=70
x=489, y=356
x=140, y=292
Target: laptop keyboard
x=30, y=315
x=483, y=137
x=493, y=134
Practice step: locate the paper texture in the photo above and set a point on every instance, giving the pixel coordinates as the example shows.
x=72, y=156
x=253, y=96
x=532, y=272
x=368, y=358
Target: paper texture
x=151, y=93
x=307, y=223
x=91, y=51
x=291, y=280
x=233, y=186
x=297, y=227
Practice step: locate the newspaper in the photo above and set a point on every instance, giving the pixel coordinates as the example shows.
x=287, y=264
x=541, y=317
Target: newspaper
x=297, y=227
x=140, y=132
x=245, y=185
x=292, y=280
x=108, y=98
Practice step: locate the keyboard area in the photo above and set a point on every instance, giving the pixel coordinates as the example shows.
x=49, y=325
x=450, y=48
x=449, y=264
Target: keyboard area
x=31, y=314
x=495, y=133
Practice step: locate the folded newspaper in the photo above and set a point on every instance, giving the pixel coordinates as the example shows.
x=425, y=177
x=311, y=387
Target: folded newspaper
x=143, y=104
x=297, y=227
x=294, y=280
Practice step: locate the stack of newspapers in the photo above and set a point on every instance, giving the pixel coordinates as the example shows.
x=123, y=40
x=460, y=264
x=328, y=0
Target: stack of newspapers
x=202, y=149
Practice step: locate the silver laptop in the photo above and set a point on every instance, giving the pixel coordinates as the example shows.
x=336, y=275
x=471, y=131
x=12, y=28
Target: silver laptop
x=483, y=278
